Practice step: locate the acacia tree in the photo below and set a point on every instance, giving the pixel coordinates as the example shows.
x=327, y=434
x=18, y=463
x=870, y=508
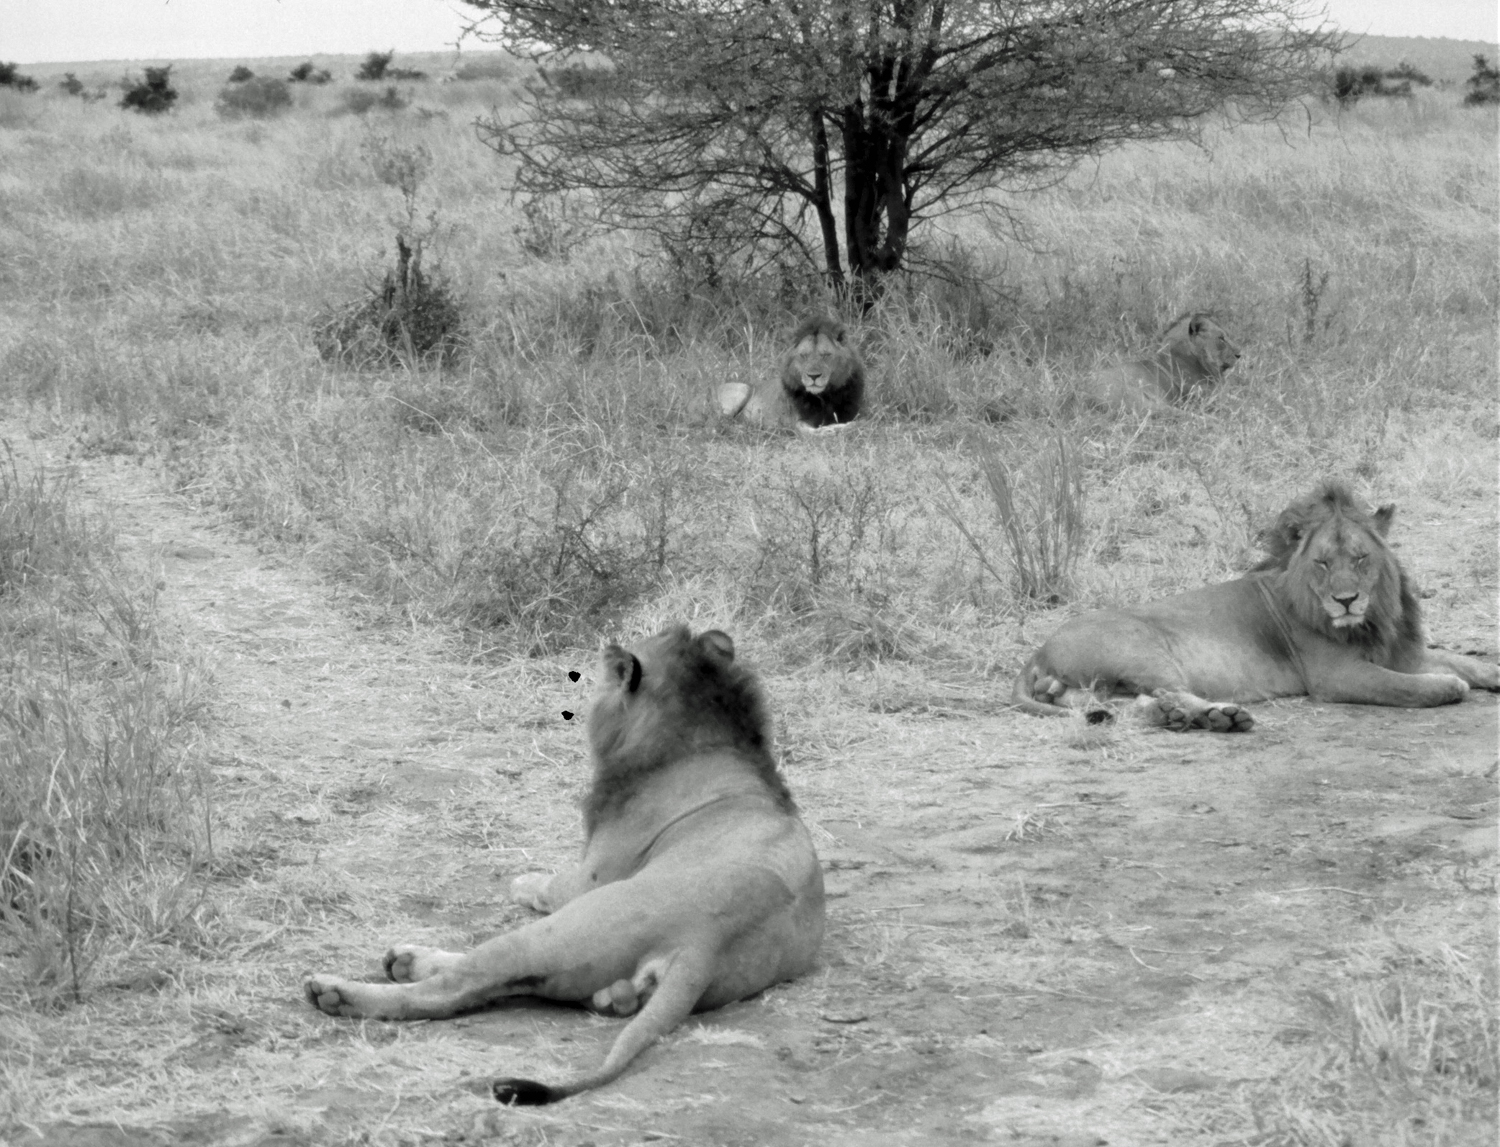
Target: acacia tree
x=773, y=121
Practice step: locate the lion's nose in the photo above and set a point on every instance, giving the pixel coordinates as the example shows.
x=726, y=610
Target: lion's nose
x=1346, y=600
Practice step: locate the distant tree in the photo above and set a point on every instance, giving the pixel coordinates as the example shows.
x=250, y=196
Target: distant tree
x=153, y=95
x=241, y=74
x=71, y=84
x=306, y=73
x=375, y=65
x=10, y=77
x=1483, y=85
x=770, y=124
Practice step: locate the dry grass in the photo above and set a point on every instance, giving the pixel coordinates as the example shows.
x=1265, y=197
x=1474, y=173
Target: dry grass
x=161, y=281
x=103, y=806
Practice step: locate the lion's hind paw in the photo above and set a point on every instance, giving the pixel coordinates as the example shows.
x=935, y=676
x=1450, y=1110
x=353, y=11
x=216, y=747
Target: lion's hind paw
x=326, y=994
x=408, y=963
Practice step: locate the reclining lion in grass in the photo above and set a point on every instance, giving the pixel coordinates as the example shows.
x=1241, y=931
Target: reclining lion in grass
x=1195, y=352
x=1329, y=614
x=698, y=885
x=821, y=384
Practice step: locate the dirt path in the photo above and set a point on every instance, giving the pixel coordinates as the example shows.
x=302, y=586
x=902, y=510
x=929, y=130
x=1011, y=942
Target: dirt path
x=1038, y=933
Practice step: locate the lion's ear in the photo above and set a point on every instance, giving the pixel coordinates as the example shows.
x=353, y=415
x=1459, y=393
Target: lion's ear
x=1384, y=517
x=1195, y=325
x=621, y=667
x=717, y=644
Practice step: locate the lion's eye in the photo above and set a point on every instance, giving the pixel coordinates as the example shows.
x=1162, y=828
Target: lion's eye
x=1359, y=559
x=1320, y=563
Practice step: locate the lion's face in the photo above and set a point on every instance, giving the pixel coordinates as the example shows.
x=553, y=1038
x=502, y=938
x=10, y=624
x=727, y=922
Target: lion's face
x=1197, y=341
x=1342, y=577
x=1212, y=346
x=820, y=358
x=1342, y=566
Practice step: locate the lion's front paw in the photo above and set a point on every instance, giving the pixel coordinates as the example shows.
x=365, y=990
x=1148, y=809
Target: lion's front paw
x=1182, y=711
x=326, y=993
x=530, y=890
x=1225, y=718
x=408, y=963
x=1452, y=689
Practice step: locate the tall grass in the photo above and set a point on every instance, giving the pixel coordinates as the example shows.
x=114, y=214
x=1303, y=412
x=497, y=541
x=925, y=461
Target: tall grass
x=103, y=814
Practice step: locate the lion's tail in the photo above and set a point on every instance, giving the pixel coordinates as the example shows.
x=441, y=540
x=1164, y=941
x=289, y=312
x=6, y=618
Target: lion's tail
x=673, y=1001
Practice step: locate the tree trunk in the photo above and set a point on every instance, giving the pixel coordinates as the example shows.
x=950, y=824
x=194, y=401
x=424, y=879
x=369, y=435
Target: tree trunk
x=823, y=204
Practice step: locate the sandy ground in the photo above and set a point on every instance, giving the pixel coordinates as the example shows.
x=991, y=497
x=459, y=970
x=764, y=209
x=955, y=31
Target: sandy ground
x=1038, y=932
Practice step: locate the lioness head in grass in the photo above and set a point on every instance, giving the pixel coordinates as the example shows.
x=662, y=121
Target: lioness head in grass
x=698, y=885
x=821, y=383
x=1194, y=354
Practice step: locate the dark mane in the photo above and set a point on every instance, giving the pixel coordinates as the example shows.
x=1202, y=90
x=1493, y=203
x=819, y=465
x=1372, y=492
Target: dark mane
x=838, y=404
x=693, y=701
x=1393, y=622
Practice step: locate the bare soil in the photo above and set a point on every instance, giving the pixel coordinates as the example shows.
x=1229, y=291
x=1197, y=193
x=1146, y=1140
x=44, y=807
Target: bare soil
x=1038, y=932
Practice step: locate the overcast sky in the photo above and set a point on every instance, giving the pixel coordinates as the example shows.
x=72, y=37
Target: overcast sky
x=33, y=31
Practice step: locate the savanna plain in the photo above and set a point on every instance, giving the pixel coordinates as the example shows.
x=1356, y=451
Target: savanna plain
x=287, y=639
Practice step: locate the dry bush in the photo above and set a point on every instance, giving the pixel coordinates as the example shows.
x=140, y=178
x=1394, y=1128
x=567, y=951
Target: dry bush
x=1040, y=509
x=254, y=97
x=152, y=95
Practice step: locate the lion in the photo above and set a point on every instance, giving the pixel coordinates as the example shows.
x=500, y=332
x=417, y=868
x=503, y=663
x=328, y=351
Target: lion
x=1329, y=614
x=821, y=384
x=1195, y=352
x=698, y=885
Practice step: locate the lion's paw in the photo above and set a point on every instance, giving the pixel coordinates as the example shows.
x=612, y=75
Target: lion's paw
x=408, y=963
x=1183, y=711
x=326, y=993
x=1225, y=718
x=1452, y=689
x=530, y=890
x=1048, y=689
x=732, y=398
x=620, y=999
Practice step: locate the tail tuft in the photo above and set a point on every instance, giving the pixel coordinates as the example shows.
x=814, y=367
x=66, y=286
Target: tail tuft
x=523, y=1092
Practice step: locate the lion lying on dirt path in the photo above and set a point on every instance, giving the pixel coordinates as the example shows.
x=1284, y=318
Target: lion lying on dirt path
x=821, y=383
x=1329, y=614
x=698, y=885
x=1195, y=352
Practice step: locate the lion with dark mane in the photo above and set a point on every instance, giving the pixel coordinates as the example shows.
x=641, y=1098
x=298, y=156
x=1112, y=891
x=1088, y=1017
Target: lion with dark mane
x=698, y=885
x=821, y=385
x=1194, y=353
x=1329, y=614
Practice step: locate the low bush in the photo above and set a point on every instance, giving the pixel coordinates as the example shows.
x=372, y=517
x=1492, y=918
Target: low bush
x=409, y=318
x=241, y=74
x=10, y=77
x=1483, y=85
x=374, y=67
x=255, y=98
x=358, y=101
x=152, y=95
x=306, y=73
